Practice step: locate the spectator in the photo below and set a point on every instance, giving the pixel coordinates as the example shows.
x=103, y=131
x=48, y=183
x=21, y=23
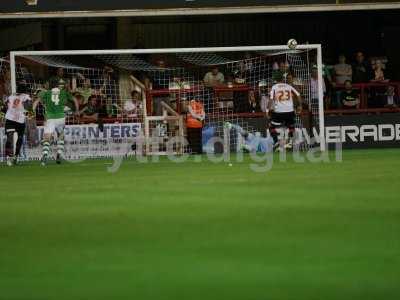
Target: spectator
x=248, y=62
x=240, y=73
x=264, y=101
x=108, y=84
x=59, y=74
x=342, y=70
x=295, y=82
x=392, y=98
x=314, y=87
x=230, y=79
x=252, y=105
x=378, y=71
x=243, y=69
x=280, y=70
x=350, y=97
x=284, y=67
x=86, y=90
x=131, y=106
x=59, y=79
x=214, y=78
x=361, y=69
x=90, y=111
x=108, y=91
x=377, y=96
x=275, y=70
x=80, y=99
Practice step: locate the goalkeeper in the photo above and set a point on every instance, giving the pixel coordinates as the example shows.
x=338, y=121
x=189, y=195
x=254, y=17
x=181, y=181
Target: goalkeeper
x=54, y=102
x=253, y=142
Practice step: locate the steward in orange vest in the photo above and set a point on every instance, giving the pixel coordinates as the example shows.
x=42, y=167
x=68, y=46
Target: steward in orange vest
x=195, y=115
x=194, y=125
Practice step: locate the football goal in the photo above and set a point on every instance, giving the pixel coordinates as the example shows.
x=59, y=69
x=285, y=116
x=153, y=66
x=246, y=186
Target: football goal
x=143, y=95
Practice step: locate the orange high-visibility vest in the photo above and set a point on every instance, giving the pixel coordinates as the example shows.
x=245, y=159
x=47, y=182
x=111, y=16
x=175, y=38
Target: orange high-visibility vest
x=192, y=122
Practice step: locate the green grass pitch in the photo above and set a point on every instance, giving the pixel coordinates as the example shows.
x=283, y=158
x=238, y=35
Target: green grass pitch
x=198, y=231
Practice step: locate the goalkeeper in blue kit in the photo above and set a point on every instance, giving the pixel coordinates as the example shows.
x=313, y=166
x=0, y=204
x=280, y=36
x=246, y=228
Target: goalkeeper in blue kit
x=252, y=142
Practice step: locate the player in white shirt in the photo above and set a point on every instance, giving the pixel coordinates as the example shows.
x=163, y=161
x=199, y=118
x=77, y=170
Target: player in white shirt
x=17, y=107
x=282, y=107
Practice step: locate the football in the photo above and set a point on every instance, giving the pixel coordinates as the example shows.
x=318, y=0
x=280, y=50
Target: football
x=292, y=44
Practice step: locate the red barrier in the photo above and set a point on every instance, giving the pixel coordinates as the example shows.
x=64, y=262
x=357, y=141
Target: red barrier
x=364, y=87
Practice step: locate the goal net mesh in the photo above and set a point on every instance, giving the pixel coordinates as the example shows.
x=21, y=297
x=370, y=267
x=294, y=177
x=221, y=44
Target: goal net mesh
x=126, y=89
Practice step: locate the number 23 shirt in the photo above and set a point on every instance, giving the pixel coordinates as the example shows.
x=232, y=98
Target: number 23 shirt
x=282, y=96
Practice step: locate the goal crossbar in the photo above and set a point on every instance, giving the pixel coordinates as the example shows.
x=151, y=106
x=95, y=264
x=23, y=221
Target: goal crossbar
x=162, y=50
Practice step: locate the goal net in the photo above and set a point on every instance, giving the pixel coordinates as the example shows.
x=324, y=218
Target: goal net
x=141, y=98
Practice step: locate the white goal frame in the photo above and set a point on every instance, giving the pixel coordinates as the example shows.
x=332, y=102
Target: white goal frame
x=316, y=47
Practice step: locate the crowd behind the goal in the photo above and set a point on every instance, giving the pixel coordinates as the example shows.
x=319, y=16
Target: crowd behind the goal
x=111, y=94
x=98, y=93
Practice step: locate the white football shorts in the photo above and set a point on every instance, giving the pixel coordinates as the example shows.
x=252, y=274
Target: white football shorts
x=54, y=125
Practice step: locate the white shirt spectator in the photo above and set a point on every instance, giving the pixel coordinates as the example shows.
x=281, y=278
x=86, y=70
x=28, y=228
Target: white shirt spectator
x=343, y=72
x=264, y=103
x=212, y=80
x=314, y=88
x=130, y=108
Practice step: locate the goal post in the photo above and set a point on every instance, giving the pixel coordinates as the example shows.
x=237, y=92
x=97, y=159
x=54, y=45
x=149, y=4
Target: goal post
x=321, y=99
x=176, y=76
